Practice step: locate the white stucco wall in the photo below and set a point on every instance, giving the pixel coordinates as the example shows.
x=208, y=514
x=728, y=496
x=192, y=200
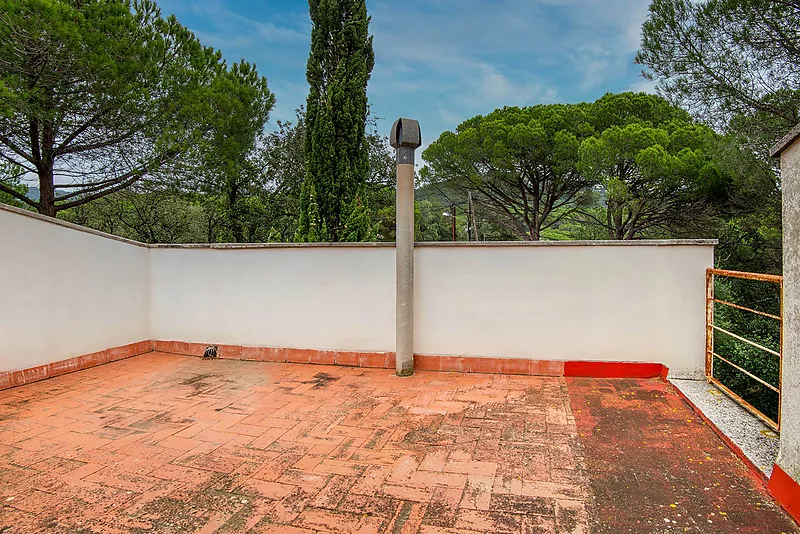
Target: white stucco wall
x=75, y=292
x=789, y=456
x=630, y=302
x=310, y=297
x=66, y=292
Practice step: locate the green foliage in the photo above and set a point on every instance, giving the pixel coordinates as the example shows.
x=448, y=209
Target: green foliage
x=380, y=190
x=229, y=149
x=283, y=178
x=631, y=164
x=429, y=224
x=150, y=94
x=310, y=227
x=5, y=100
x=622, y=109
x=582, y=225
x=149, y=216
x=732, y=62
x=746, y=216
x=10, y=176
x=283, y=175
x=359, y=226
x=274, y=236
x=338, y=70
x=762, y=296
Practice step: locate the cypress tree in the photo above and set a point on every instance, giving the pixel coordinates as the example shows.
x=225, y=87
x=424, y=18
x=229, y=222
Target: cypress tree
x=359, y=225
x=274, y=236
x=310, y=228
x=301, y=233
x=338, y=70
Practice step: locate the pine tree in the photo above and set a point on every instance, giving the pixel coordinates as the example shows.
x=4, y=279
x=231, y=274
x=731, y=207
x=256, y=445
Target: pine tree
x=338, y=70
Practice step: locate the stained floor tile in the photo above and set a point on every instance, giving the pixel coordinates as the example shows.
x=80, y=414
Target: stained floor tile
x=655, y=466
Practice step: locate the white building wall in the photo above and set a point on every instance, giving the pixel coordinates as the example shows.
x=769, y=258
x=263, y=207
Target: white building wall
x=67, y=293
x=631, y=302
x=789, y=456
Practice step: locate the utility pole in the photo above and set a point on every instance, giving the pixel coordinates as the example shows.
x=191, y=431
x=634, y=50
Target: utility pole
x=405, y=138
x=453, y=220
x=472, y=223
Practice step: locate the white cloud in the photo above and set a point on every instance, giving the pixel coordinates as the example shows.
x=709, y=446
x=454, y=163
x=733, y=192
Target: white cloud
x=450, y=118
x=643, y=86
x=491, y=88
x=248, y=30
x=447, y=60
x=472, y=56
x=595, y=39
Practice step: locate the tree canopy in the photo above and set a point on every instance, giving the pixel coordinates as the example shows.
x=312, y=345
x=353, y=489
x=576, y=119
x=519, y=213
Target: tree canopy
x=230, y=153
x=628, y=163
x=652, y=177
x=100, y=94
x=732, y=62
x=523, y=161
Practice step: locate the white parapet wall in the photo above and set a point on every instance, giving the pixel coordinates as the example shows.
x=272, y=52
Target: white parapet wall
x=596, y=301
x=67, y=293
x=601, y=301
x=304, y=297
x=70, y=292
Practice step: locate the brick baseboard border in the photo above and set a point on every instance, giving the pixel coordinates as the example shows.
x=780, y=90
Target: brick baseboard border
x=374, y=360
x=10, y=379
x=786, y=491
x=424, y=362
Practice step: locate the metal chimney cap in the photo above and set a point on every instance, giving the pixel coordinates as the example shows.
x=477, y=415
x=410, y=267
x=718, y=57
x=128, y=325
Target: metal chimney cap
x=405, y=134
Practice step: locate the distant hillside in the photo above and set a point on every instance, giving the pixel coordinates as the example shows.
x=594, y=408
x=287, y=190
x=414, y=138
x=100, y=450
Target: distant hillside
x=439, y=193
x=33, y=193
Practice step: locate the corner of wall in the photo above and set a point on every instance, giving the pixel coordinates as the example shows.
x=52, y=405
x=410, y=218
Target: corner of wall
x=150, y=294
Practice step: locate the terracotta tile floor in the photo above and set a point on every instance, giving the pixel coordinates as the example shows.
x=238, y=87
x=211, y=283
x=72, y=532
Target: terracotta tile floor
x=168, y=443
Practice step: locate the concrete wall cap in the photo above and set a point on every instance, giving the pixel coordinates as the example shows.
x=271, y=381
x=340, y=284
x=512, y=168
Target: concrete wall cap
x=426, y=244
x=70, y=225
x=784, y=143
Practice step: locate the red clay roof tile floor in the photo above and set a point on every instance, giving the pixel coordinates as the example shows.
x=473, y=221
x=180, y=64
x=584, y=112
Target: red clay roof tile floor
x=168, y=443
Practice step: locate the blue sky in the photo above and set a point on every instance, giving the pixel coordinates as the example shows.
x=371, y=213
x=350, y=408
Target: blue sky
x=441, y=61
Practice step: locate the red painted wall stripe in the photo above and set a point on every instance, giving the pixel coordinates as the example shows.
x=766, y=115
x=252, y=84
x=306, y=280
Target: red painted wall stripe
x=786, y=491
x=614, y=370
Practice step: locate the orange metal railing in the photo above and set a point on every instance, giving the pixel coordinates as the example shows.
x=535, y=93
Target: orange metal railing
x=712, y=356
